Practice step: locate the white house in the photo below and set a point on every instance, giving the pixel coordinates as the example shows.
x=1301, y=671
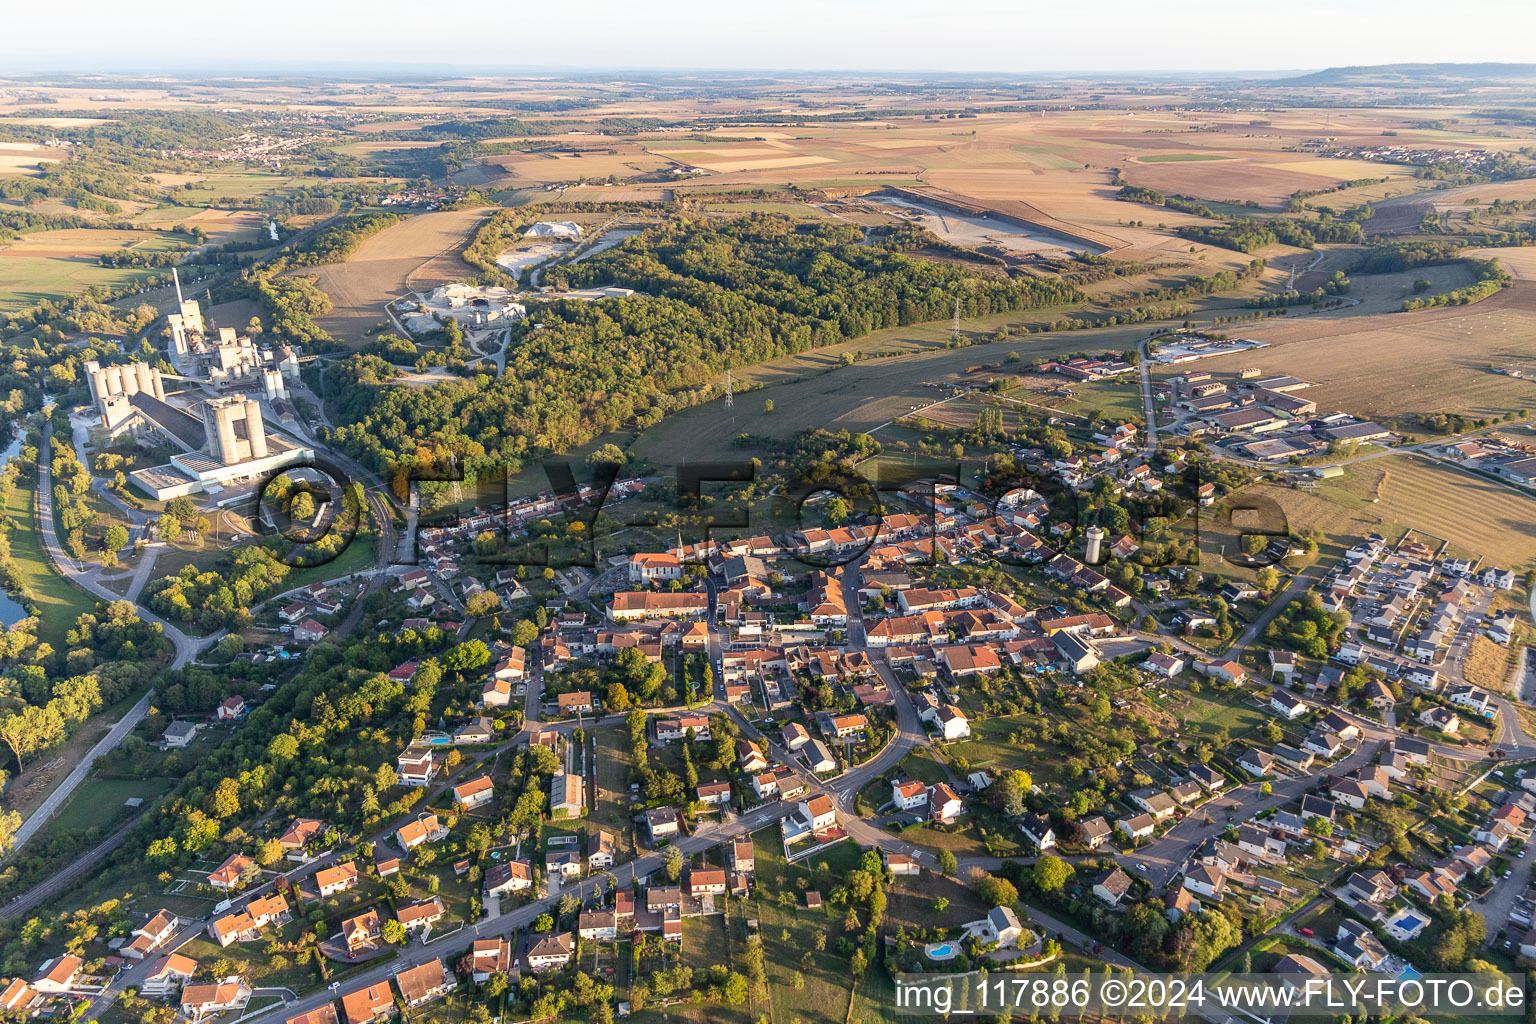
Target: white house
x=952, y=723
x=909, y=795
x=473, y=793
x=1037, y=828
x=1111, y=886
x=1286, y=706
x=1139, y=827
x=819, y=812
x=1256, y=762
x=1206, y=880
x=1441, y=718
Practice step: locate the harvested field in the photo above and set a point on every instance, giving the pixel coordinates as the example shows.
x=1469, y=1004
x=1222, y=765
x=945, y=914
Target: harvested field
x=1087, y=199
x=741, y=158
x=1521, y=263
x=221, y=225
x=25, y=158
x=1477, y=516
x=623, y=160
x=365, y=148
x=1398, y=218
x=1179, y=158
x=1249, y=176
x=417, y=254
x=1390, y=366
x=1488, y=665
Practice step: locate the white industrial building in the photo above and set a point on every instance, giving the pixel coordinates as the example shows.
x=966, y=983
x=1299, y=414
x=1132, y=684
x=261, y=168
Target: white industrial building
x=229, y=361
x=471, y=306
x=226, y=444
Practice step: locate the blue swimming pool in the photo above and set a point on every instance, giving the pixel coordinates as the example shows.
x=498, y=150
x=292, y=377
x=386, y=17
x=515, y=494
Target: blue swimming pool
x=943, y=950
x=1410, y=922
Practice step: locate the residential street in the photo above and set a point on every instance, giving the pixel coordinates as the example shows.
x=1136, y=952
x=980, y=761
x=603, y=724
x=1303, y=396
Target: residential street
x=1159, y=862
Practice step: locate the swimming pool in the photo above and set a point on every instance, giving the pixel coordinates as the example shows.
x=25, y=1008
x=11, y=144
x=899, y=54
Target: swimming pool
x=940, y=951
x=1406, y=925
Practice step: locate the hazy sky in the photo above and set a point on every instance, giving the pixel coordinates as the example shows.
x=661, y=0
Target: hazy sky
x=890, y=35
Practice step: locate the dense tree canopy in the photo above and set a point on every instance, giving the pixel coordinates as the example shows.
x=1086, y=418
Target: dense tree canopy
x=715, y=295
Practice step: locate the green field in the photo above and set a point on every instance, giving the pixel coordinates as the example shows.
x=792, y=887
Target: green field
x=202, y=189
x=1209, y=711
x=361, y=554
x=51, y=265
x=97, y=801
x=1119, y=400
x=254, y=965
x=789, y=933
x=815, y=389
x=60, y=602
x=705, y=942
x=610, y=808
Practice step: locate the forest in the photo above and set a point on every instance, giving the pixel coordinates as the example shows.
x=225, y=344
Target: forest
x=1248, y=235
x=713, y=295
x=336, y=241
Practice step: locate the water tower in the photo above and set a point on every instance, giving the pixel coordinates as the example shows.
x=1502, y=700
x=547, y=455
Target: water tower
x=1095, y=542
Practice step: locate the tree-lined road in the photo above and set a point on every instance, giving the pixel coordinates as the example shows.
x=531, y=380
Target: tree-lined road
x=186, y=647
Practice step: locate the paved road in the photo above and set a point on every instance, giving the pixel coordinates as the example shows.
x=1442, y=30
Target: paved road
x=1298, y=586
x=842, y=789
x=511, y=923
x=146, y=566
x=1149, y=407
x=186, y=648
x=1500, y=901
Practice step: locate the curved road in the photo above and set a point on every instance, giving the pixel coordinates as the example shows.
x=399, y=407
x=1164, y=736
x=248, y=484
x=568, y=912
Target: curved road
x=186, y=648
